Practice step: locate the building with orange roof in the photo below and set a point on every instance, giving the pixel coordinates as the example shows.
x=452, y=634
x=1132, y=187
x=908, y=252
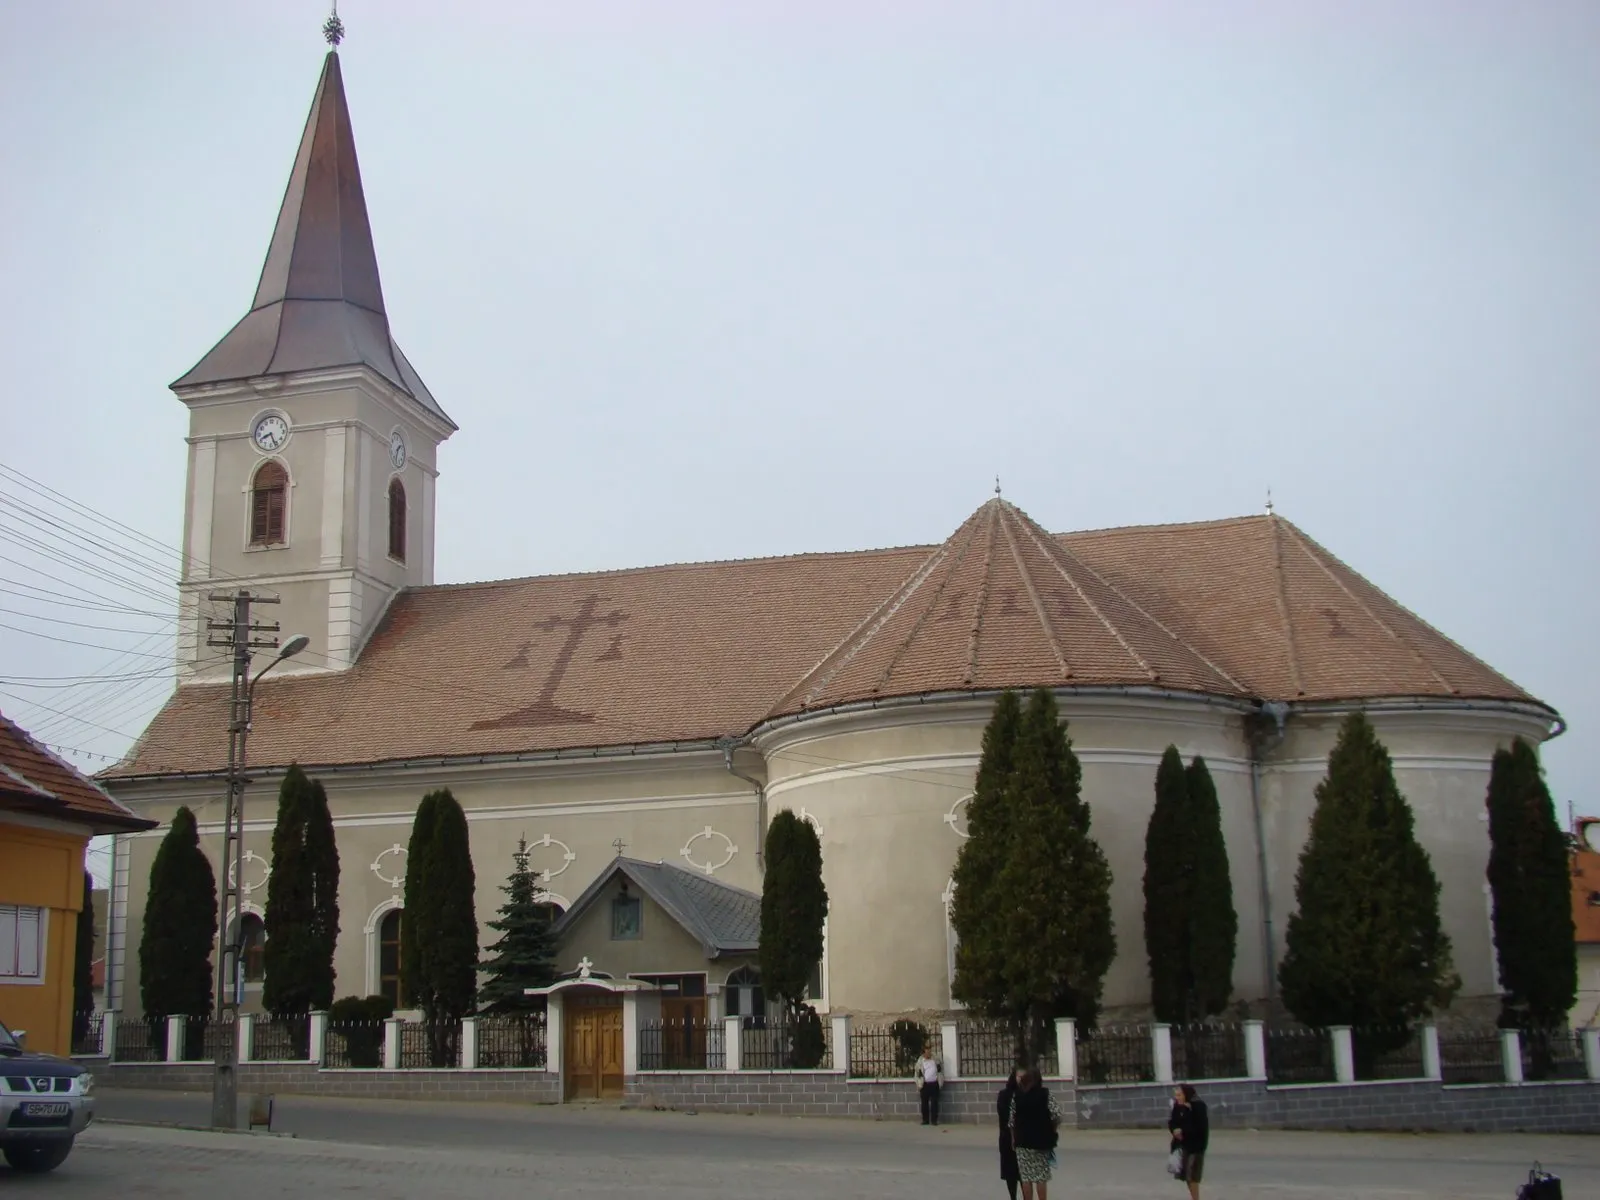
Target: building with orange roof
x=1586, y=919
x=48, y=812
x=662, y=714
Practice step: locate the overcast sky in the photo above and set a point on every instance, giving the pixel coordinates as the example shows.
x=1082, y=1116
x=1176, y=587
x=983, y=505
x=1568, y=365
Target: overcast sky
x=708, y=280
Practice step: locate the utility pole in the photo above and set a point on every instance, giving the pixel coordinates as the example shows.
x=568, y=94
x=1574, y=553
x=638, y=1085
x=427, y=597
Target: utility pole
x=241, y=635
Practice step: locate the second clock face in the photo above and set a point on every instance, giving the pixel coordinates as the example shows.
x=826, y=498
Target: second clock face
x=397, y=449
x=270, y=432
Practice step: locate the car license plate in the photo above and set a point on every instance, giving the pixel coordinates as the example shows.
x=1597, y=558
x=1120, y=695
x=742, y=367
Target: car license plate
x=35, y=1109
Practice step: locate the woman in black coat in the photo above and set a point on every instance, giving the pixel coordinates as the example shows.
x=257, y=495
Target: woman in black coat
x=1008, y=1151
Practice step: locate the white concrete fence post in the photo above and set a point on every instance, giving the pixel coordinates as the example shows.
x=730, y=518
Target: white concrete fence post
x=1591, y=1052
x=630, y=1034
x=108, y=1033
x=1161, y=1051
x=1511, y=1055
x=1255, y=1049
x=469, y=1043
x=732, y=1030
x=246, y=1030
x=317, y=1038
x=950, y=1049
x=175, y=1031
x=1067, y=1048
x=1344, y=1053
x=841, y=1043
x=554, y=1009
x=1432, y=1060
x=391, y=1043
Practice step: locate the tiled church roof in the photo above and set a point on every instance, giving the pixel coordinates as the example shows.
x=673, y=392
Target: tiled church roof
x=1248, y=607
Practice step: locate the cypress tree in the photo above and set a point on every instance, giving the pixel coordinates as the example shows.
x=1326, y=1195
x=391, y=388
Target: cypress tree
x=1214, y=922
x=440, y=947
x=794, y=904
x=83, y=964
x=1530, y=881
x=1365, y=943
x=180, y=926
x=302, y=918
x=524, y=957
x=1169, y=891
x=1056, y=939
x=979, y=906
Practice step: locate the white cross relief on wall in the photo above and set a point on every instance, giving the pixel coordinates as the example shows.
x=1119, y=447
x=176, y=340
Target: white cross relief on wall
x=584, y=967
x=250, y=856
x=709, y=867
x=567, y=856
x=398, y=852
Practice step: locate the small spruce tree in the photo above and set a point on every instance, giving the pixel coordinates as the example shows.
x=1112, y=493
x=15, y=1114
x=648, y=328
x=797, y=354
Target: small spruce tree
x=1365, y=945
x=302, y=918
x=525, y=955
x=979, y=908
x=180, y=927
x=441, y=936
x=1057, y=941
x=1531, y=884
x=794, y=905
x=83, y=964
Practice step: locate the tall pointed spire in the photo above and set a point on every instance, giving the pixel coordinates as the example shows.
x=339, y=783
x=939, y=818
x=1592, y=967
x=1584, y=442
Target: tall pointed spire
x=319, y=303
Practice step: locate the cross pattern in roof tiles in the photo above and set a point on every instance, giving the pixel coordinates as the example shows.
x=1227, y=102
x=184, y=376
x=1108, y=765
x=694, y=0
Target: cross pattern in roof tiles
x=544, y=710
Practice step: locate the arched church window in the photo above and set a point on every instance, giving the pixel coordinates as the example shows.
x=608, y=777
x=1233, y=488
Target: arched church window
x=253, y=946
x=397, y=520
x=389, y=935
x=269, y=503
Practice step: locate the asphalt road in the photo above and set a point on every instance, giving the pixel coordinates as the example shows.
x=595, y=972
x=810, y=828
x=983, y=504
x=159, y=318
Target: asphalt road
x=402, y=1149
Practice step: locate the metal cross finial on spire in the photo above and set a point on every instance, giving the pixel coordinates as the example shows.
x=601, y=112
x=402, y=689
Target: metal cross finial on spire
x=1269, y=502
x=997, y=485
x=333, y=28
x=619, y=846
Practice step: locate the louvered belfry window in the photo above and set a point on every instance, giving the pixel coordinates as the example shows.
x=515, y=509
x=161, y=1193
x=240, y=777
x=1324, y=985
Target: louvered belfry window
x=269, y=498
x=397, y=520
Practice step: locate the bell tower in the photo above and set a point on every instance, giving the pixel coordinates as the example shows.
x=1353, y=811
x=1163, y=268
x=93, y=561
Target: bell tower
x=313, y=443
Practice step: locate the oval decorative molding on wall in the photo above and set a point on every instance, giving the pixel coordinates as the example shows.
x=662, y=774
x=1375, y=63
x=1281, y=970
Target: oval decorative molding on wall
x=956, y=818
x=250, y=856
x=567, y=856
x=398, y=852
x=811, y=820
x=709, y=867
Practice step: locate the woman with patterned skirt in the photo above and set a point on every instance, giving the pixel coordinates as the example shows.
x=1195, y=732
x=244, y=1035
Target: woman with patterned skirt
x=1035, y=1117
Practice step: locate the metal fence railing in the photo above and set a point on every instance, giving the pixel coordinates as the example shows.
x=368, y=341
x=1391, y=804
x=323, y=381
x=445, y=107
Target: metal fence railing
x=1393, y=1052
x=769, y=1045
x=1552, y=1054
x=511, y=1040
x=352, y=1044
x=1116, y=1054
x=430, y=1044
x=1471, y=1056
x=889, y=1051
x=1299, y=1054
x=286, y=1039
x=1208, y=1051
x=990, y=1049
x=88, y=1031
x=687, y=1044
x=140, y=1040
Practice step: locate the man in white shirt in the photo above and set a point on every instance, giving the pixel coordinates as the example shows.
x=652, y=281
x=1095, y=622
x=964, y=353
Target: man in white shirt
x=926, y=1076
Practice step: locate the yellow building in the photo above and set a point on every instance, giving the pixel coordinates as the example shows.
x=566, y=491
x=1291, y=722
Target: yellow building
x=48, y=812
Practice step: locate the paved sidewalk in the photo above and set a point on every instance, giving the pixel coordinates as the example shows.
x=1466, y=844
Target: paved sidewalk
x=600, y=1154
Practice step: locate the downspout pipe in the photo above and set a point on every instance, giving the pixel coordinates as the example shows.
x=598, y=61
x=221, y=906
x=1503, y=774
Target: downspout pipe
x=728, y=746
x=1265, y=734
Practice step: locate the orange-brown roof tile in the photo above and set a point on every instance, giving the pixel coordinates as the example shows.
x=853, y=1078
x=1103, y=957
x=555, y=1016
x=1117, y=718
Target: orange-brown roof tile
x=34, y=780
x=1247, y=607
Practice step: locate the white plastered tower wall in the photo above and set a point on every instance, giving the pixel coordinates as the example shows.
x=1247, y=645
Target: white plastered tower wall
x=333, y=572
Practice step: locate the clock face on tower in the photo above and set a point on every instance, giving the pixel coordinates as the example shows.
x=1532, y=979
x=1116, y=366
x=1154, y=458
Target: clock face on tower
x=397, y=449
x=270, y=432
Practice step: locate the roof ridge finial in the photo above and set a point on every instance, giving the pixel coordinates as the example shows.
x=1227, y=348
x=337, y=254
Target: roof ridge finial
x=333, y=28
x=997, y=485
x=1269, y=502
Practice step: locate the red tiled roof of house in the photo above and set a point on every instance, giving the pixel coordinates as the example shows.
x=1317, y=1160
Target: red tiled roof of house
x=34, y=780
x=1247, y=607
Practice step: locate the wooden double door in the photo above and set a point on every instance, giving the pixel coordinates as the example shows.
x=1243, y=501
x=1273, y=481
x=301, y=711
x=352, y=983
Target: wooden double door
x=592, y=1047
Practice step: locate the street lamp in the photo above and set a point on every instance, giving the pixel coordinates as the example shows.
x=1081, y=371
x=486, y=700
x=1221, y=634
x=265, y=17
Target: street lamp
x=230, y=928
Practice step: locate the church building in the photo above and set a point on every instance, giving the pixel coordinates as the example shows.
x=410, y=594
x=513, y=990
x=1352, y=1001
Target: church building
x=639, y=727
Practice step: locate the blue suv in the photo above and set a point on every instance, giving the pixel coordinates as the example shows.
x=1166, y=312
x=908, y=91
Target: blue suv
x=45, y=1102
